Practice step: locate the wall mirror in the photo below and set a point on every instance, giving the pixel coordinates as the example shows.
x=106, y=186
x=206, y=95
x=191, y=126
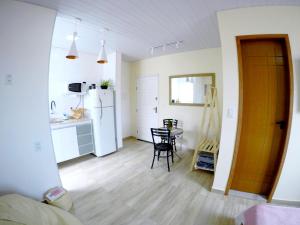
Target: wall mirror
x=190, y=89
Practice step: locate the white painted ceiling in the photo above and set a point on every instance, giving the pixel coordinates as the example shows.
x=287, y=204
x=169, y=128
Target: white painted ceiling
x=137, y=25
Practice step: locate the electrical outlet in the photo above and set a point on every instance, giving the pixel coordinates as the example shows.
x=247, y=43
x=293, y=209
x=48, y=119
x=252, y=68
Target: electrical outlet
x=8, y=79
x=37, y=146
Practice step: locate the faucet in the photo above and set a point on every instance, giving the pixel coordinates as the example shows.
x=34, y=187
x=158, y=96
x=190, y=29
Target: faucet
x=52, y=106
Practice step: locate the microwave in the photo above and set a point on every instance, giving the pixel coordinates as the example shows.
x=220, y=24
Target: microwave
x=75, y=87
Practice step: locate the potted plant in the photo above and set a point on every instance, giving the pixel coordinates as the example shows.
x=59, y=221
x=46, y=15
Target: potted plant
x=105, y=84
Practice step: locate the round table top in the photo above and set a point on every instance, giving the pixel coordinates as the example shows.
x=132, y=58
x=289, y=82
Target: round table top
x=175, y=131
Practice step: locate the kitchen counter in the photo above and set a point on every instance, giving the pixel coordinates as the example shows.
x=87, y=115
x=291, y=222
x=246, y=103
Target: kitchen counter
x=69, y=123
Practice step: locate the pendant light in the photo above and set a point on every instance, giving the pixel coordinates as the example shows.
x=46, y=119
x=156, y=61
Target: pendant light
x=102, y=58
x=73, y=53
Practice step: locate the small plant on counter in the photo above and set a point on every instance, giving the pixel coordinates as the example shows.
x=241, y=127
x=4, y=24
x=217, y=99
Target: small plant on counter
x=105, y=84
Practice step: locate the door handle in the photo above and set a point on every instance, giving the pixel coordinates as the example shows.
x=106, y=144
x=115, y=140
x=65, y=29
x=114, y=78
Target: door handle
x=155, y=109
x=281, y=124
x=101, y=108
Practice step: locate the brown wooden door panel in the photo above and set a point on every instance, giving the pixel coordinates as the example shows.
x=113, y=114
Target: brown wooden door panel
x=265, y=83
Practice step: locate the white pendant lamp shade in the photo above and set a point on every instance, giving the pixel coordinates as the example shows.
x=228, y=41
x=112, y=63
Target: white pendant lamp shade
x=73, y=54
x=102, y=58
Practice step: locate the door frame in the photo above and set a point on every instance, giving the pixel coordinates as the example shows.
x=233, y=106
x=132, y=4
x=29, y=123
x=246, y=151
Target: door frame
x=136, y=82
x=285, y=38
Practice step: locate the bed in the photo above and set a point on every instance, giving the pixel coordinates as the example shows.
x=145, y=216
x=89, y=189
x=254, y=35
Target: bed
x=19, y=210
x=266, y=214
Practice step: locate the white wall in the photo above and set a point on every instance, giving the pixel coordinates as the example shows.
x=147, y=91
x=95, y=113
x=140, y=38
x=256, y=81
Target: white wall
x=112, y=70
x=259, y=20
x=126, y=99
x=201, y=61
x=64, y=71
x=27, y=161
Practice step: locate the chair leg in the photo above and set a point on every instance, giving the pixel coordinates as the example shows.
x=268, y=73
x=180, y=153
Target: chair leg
x=158, y=155
x=168, y=162
x=153, y=160
x=172, y=154
x=174, y=144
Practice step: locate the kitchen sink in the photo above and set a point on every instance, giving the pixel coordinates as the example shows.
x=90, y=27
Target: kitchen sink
x=56, y=120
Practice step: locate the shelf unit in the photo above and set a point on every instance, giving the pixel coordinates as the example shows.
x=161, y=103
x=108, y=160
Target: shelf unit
x=206, y=154
x=210, y=149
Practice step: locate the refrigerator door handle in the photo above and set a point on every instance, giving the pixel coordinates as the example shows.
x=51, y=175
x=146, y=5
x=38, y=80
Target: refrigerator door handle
x=101, y=108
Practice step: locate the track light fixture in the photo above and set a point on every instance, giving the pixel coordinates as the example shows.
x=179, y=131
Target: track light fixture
x=164, y=47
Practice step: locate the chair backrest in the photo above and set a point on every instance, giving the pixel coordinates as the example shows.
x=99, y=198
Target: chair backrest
x=166, y=122
x=160, y=135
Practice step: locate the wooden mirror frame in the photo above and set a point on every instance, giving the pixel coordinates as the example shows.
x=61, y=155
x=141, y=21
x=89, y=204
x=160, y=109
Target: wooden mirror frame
x=212, y=75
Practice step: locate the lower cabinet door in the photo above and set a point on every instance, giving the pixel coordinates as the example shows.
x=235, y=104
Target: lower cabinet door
x=65, y=143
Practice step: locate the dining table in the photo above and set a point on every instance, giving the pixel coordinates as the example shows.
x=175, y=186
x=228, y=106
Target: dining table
x=177, y=133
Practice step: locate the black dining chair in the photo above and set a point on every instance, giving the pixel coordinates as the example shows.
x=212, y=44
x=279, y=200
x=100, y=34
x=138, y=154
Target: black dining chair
x=162, y=143
x=170, y=122
x=173, y=124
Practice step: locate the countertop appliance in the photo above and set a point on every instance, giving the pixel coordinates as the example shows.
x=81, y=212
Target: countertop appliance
x=75, y=87
x=100, y=108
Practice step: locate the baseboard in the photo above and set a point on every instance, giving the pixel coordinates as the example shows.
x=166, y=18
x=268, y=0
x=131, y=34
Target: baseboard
x=129, y=137
x=217, y=191
x=274, y=201
x=285, y=202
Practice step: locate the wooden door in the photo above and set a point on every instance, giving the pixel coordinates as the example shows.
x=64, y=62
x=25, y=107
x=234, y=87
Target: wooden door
x=147, y=106
x=265, y=111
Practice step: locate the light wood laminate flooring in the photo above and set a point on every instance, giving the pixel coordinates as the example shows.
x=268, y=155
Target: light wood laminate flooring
x=121, y=189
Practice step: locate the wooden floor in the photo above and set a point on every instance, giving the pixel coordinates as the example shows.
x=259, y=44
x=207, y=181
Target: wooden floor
x=121, y=189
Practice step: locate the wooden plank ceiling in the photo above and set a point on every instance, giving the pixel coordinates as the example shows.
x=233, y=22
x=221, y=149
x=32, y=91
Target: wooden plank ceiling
x=137, y=25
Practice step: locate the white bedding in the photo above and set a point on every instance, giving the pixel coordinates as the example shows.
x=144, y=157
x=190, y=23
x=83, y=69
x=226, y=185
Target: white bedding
x=21, y=210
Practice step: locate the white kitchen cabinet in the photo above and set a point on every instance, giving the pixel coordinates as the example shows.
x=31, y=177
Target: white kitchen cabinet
x=72, y=138
x=65, y=143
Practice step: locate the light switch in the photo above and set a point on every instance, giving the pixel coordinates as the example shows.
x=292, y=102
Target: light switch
x=8, y=79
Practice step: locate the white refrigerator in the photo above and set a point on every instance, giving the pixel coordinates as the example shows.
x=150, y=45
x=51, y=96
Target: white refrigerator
x=100, y=108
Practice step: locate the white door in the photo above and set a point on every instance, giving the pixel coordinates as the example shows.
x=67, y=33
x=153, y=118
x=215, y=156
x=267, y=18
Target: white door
x=147, y=106
x=65, y=143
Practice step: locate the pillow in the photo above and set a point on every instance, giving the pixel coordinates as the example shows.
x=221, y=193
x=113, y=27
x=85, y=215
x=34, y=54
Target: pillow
x=61, y=200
